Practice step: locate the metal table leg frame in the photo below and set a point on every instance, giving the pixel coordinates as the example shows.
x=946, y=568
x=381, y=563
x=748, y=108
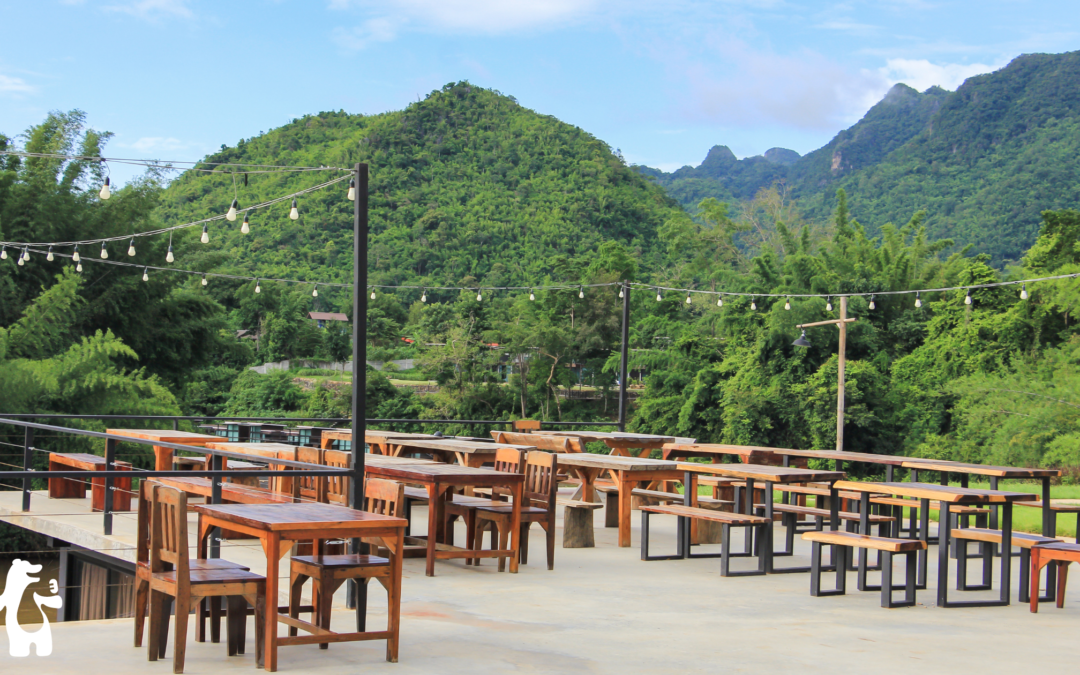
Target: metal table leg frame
x=886, y=580
x=726, y=555
x=679, y=537
x=943, y=562
x=986, y=553
x=840, y=554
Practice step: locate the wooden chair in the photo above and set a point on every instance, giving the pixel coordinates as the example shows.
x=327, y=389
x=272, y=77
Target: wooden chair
x=507, y=460
x=525, y=425
x=142, y=578
x=336, y=488
x=329, y=572
x=1062, y=553
x=308, y=487
x=169, y=546
x=538, y=506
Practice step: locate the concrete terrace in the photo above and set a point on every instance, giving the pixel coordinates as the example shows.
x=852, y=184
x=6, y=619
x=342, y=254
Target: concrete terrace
x=601, y=610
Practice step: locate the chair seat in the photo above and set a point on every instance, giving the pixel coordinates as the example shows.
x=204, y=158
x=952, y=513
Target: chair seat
x=208, y=564
x=214, y=576
x=346, y=560
x=509, y=508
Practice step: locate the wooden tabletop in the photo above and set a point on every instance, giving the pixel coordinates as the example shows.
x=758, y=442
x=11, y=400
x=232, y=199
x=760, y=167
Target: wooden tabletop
x=603, y=436
x=372, y=459
x=981, y=469
x=761, y=472
x=254, y=449
x=274, y=517
x=717, y=449
x=847, y=456
x=615, y=463
x=166, y=436
x=944, y=493
x=372, y=435
x=437, y=472
x=455, y=445
x=1059, y=505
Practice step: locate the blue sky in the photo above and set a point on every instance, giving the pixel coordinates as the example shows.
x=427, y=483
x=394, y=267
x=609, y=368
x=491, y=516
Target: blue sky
x=661, y=80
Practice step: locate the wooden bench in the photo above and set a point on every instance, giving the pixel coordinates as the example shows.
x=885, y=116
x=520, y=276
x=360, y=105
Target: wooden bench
x=68, y=488
x=1060, y=553
x=843, y=543
x=987, y=538
x=790, y=512
x=726, y=521
x=676, y=498
x=578, y=523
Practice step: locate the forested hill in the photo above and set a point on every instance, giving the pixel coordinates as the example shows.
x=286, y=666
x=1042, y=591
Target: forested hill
x=982, y=161
x=466, y=186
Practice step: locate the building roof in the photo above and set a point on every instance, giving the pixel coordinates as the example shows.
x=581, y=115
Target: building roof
x=327, y=316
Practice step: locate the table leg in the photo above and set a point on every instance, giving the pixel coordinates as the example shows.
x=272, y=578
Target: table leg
x=517, y=490
x=943, y=554
x=162, y=458
x=434, y=518
x=767, y=545
x=273, y=560
x=1047, y=528
x=924, y=534
x=393, y=609
x=626, y=488
x=864, y=529
x=889, y=473
x=1006, y=550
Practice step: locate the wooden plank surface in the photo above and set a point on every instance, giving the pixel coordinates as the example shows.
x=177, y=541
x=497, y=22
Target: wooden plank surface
x=166, y=436
x=454, y=445
x=616, y=463
x=259, y=449
x=273, y=517
x=715, y=449
x=761, y=472
x=982, y=469
x=945, y=493
x=451, y=474
x=373, y=435
x=601, y=436
x=1059, y=505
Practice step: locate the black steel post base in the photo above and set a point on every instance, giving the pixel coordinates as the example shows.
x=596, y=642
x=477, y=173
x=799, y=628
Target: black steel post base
x=840, y=555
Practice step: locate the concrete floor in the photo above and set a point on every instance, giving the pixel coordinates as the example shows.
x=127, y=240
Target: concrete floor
x=603, y=610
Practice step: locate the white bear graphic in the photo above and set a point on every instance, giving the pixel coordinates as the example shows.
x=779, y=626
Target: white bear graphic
x=18, y=580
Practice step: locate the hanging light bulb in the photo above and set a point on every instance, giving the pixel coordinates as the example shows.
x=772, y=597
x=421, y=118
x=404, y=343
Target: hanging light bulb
x=105, y=192
x=104, y=251
x=658, y=297
x=1023, y=292
x=787, y=303
x=581, y=292
x=918, y=300
x=622, y=293
x=315, y=292
x=75, y=255
x=231, y=214
x=258, y=286
x=244, y=229
x=423, y=295
x=719, y=301
x=352, y=190
x=204, y=279
x=169, y=257
x=145, y=276
x=131, y=247
x=24, y=256
x=49, y=256
x=872, y=305
x=828, y=304
x=3, y=253
x=753, y=303
x=967, y=298
x=688, y=299
x=373, y=294
x=205, y=238
x=294, y=213
x=78, y=268
x=478, y=296
x=532, y=295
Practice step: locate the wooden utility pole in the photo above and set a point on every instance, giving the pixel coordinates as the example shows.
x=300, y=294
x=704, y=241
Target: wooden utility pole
x=840, y=323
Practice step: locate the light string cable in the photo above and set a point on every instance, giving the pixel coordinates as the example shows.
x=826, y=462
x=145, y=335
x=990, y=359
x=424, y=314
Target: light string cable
x=168, y=164
x=195, y=223
x=863, y=294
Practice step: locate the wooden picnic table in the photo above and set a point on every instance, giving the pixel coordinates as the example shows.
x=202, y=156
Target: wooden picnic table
x=441, y=480
x=382, y=441
x=450, y=451
x=265, y=451
x=163, y=456
x=621, y=443
x=745, y=453
x=278, y=526
x=946, y=496
x=626, y=472
x=838, y=458
x=769, y=475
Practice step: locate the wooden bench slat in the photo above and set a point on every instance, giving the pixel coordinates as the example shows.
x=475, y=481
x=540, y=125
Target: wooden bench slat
x=706, y=514
x=1021, y=539
x=865, y=541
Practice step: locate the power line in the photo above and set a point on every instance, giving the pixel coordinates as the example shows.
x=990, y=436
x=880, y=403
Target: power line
x=167, y=164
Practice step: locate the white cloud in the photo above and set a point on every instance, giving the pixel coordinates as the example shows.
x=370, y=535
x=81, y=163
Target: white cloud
x=15, y=85
x=150, y=144
x=922, y=74
x=154, y=9
x=372, y=31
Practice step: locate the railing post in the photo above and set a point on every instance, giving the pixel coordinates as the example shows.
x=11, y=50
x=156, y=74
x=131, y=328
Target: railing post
x=176, y=425
x=110, y=455
x=28, y=465
x=215, y=498
x=624, y=356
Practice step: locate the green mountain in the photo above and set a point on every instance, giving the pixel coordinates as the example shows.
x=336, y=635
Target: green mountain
x=983, y=161
x=467, y=187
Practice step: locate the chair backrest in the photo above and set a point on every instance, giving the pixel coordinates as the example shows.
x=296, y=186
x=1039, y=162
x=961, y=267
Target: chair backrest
x=525, y=425
x=142, y=527
x=540, y=441
x=168, y=530
x=509, y=460
x=337, y=487
x=308, y=487
x=541, y=483
x=385, y=497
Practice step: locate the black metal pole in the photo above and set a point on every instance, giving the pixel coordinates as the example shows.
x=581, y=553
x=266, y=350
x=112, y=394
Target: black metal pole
x=357, y=592
x=28, y=465
x=624, y=357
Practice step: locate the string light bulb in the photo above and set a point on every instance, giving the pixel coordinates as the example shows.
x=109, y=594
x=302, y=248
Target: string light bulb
x=3, y=253
x=622, y=292
x=658, y=296
x=105, y=192
x=423, y=295
x=258, y=286
x=169, y=257
x=23, y=257
x=872, y=305
x=78, y=268
x=104, y=252
x=49, y=256
x=230, y=215
x=204, y=279
x=244, y=229
x=145, y=276
x=352, y=190
x=918, y=300
x=828, y=304
x=532, y=295
x=479, y=297
x=753, y=303
x=581, y=292
x=205, y=238
x=787, y=304
x=967, y=298
x=75, y=254
x=719, y=301
x=1023, y=292
x=373, y=294
x=315, y=291
x=688, y=299
x=131, y=247
x=294, y=213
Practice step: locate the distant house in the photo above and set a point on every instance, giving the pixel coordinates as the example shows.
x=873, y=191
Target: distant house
x=321, y=318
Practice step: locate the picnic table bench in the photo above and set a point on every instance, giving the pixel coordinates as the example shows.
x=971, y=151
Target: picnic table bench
x=725, y=519
x=844, y=542
x=67, y=488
